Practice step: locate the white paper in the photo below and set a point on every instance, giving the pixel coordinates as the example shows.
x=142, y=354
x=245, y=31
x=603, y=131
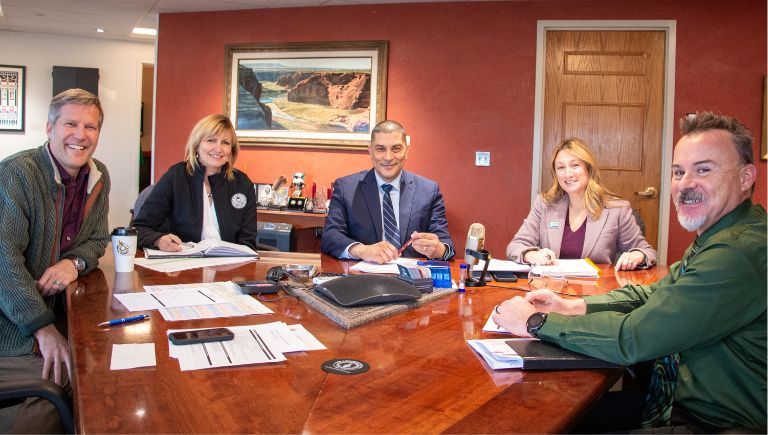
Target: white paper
x=309, y=340
x=128, y=356
x=178, y=264
x=390, y=267
x=253, y=344
x=497, y=353
x=194, y=301
x=577, y=267
x=184, y=297
x=496, y=265
x=491, y=326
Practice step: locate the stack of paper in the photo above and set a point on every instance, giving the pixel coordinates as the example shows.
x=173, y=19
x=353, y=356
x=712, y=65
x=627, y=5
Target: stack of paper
x=497, y=353
x=253, y=344
x=194, y=301
x=167, y=265
x=577, y=268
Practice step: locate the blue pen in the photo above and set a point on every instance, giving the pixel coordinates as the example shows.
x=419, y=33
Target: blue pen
x=124, y=320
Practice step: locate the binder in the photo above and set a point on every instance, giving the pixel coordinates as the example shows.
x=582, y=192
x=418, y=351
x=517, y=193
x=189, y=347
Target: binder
x=540, y=355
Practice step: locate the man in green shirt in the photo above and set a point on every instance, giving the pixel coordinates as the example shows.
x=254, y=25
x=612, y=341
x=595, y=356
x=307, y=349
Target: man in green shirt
x=710, y=311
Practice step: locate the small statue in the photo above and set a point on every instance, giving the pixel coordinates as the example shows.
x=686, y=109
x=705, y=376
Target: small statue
x=298, y=184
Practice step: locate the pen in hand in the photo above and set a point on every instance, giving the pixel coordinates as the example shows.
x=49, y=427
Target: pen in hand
x=404, y=247
x=124, y=320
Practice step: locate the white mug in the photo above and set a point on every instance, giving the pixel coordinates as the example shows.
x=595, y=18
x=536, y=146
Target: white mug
x=124, y=241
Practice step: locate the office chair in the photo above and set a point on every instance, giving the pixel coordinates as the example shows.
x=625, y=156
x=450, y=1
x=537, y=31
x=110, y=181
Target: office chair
x=143, y=195
x=13, y=393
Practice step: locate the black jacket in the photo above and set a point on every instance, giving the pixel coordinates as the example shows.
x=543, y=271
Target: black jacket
x=176, y=206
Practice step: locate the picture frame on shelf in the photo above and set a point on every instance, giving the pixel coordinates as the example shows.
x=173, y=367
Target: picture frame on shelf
x=326, y=95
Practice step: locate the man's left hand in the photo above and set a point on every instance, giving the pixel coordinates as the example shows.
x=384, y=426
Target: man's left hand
x=428, y=245
x=57, y=277
x=513, y=315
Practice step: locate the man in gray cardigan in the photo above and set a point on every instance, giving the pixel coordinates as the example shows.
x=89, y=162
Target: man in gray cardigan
x=53, y=209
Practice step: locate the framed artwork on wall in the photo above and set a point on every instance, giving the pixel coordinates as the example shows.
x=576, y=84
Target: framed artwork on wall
x=306, y=94
x=12, y=82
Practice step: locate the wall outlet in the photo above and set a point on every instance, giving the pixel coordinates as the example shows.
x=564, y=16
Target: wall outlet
x=482, y=158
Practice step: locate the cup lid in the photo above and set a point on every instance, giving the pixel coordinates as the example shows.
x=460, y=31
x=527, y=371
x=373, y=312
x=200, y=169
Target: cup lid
x=124, y=231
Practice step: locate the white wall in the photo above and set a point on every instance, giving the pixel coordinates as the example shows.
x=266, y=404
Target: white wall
x=119, y=64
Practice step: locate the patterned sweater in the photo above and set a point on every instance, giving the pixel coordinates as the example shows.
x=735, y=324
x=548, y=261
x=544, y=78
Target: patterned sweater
x=31, y=202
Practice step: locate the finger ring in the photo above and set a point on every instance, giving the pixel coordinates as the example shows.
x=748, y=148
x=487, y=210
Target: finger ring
x=56, y=282
x=496, y=309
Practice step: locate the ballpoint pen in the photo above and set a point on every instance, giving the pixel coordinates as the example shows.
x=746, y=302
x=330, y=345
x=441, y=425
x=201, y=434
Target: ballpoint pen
x=407, y=244
x=124, y=320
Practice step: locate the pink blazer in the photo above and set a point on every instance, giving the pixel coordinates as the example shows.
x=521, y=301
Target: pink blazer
x=615, y=231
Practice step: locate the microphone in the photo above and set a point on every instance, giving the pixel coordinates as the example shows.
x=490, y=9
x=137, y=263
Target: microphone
x=475, y=242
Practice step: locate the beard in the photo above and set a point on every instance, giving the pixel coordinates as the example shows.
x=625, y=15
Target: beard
x=690, y=223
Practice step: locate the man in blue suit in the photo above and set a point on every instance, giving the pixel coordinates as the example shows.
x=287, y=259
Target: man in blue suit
x=374, y=213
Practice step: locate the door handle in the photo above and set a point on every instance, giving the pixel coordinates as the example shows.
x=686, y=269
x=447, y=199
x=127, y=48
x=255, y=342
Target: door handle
x=649, y=192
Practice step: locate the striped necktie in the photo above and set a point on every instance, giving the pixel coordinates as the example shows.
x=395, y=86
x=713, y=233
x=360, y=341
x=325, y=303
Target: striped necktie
x=657, y=406
x=391, y=233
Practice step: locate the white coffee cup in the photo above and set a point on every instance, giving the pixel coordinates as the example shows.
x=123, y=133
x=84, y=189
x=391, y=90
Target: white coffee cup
x=124, y=241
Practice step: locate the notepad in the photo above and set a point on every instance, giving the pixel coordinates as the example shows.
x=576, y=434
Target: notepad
x=532, y=354
x=206, y=248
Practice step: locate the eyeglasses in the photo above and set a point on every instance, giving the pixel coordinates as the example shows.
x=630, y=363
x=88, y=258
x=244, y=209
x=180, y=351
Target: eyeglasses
x=552, y=279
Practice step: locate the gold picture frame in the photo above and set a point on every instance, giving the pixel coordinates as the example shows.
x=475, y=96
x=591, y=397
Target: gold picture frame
x=764, y=142
x=326, y=95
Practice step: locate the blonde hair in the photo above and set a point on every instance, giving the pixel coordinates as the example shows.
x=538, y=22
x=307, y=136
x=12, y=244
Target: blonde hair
x=596, y=196
x=211, y=125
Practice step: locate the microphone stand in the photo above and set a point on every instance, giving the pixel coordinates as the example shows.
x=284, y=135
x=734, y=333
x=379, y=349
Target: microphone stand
x=484, y=255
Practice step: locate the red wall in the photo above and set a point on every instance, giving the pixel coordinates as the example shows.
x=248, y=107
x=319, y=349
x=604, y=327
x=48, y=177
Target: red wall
x=461, y=79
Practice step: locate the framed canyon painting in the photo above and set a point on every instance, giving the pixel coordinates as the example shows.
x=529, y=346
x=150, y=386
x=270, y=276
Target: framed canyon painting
x=316, y=95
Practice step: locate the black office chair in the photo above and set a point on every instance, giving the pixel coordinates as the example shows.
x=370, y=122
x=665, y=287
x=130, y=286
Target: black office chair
x=143, y=195
x=13, y=393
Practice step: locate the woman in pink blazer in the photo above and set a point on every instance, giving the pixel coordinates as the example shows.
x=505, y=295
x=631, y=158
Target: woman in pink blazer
x=579, y=218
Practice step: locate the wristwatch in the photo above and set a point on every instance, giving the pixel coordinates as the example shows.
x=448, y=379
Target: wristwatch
x=79, y=263
x=535, y=322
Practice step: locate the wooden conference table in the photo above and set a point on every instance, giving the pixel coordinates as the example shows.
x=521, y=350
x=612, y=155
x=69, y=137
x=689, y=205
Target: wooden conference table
x=424, y=378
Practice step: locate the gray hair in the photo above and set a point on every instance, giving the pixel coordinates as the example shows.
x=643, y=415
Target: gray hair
x=740, y=134
x=389, y=126
x=73, y=96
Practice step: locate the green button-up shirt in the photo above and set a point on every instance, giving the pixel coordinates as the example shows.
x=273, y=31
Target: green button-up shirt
x=712, y=312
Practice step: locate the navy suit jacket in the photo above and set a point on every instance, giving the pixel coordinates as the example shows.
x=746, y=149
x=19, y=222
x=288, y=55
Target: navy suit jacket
x=355, y=212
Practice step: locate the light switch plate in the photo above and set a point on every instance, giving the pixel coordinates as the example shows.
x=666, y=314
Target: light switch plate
x=482, y=158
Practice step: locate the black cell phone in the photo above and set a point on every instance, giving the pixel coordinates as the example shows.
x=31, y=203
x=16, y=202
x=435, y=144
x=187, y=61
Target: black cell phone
x=256, y=287
x=201, y=336
x=504, y=276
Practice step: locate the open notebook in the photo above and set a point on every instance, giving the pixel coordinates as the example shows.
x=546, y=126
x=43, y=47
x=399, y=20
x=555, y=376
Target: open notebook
x=206, y=248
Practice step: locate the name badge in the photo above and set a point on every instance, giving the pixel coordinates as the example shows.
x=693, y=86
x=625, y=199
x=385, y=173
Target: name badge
x=554, y=225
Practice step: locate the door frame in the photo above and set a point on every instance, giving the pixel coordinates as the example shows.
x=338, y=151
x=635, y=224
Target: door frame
x=669, y=27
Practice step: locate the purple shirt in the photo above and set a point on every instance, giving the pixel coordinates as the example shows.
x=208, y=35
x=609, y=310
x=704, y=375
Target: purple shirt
x=75, y=191
x=573, y=241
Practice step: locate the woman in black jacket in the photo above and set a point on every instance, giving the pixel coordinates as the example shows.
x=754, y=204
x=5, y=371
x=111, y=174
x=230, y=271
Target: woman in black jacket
x=203, y=197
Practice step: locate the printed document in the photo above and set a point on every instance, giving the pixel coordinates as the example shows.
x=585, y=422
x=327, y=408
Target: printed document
x=496, y=265
x=497, y=353
x=194, y=301
x=253, y=344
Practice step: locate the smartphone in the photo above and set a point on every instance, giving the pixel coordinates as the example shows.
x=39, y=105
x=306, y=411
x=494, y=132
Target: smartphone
x=201, y=336
x=258, y=287
x=504, y=276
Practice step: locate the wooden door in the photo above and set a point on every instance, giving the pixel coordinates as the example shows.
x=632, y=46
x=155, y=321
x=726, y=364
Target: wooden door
x=607, y=88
